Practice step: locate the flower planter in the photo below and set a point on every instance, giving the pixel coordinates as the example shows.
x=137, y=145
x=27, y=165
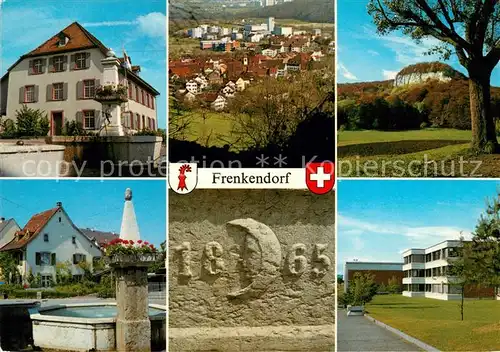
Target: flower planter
x=111, y=98
x=132, y=260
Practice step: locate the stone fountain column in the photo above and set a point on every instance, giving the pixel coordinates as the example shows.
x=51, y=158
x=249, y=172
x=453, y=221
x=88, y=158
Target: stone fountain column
x=133, y=328
x=111, y=77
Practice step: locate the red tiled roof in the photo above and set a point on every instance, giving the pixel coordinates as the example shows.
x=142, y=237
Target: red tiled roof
x=79, y=38
x=31, y=230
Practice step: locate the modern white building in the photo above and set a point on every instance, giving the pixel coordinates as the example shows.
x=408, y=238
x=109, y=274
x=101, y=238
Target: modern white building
x=280, y=30
x=61, y=76
x=48, y=239
x=426, y=271
x=270, y=24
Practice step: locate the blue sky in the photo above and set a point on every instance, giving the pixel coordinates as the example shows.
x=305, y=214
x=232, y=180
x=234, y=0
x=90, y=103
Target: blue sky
x=379, y=219
x=137, y=25
x=363, y=55
x=89, y=203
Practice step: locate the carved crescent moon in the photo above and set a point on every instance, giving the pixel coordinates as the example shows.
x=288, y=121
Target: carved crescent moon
x=270, y=255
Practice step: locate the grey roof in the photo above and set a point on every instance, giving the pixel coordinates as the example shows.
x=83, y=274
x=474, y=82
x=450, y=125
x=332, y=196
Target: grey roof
x=4, y=223
x=102, y=237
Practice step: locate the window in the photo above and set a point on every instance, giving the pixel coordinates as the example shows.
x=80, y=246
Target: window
x=46, y=280
x=152, y=102
x=57, y=91
x=44, y=258
x=37, y=66
x=148, y=100
x=130, y=91
x=143, y=97
x=60, y=219
x=46, y=237
x=136, y=94
x=78, y=258
x=73, y=240
x=80, y=61
x=29, y=94
x=58, y=63
x=89, y=120
x=89, y=88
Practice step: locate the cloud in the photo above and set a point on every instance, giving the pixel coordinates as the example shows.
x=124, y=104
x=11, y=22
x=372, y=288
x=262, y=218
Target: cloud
x=389, y=74
x=373, y=53
x=422, y=235
x=153, y=24
x=346, y=73
x=110, y=23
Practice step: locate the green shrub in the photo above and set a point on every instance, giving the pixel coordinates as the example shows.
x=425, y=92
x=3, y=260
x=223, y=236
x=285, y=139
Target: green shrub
x=32, y=122
x=9, y=129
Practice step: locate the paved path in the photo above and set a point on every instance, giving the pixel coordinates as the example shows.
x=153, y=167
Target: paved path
x=359, y=334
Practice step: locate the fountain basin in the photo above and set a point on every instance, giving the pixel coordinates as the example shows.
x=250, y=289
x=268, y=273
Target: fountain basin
x=32, y=160
x=88, y=327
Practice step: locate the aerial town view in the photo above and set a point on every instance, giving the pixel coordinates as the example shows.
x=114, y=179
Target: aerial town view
x=249, y=82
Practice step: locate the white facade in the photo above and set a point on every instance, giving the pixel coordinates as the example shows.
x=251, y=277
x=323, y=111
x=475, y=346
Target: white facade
x=270, y=24
x=220, y=103
x=196, y=32
x=279, y=30
x=426, y=272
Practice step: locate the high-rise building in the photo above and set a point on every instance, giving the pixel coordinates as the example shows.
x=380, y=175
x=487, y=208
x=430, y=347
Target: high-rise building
x=270, y=24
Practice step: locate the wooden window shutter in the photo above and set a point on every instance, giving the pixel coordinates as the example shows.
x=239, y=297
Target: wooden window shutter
x=79, y=117
x=36, y=93
x=72, y=62
x=49, y=92
x=87, y=60
x=74, y=259
x=44, y=65
x=30, y=69
x=79, y=90
x=51, y=64
x=52, y=259
x=131, y=120
x=38, y=259
x=21, y=94
x=65, y=91
x=97, y=118
x=65, y=63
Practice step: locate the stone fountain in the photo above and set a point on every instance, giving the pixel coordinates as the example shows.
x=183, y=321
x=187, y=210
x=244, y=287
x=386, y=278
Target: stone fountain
x=133, y=327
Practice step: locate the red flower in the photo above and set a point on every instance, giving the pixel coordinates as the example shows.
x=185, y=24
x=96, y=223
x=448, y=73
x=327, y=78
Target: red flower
x=139, y=241
x=125, y=241
x=131, y=242
x=146, y=243
x=151, y=246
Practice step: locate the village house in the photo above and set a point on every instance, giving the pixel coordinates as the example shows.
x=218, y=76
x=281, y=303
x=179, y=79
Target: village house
x=220, y=103
x=8, y=229
x=192, y=87
x=61, y=77
x=50, y=238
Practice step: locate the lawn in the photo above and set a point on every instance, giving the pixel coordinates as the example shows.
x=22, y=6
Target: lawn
x=416, y=153
x=438, y=323
x=211, y=129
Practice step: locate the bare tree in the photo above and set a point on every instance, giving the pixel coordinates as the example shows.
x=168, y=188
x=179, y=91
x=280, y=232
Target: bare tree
x=468, y=28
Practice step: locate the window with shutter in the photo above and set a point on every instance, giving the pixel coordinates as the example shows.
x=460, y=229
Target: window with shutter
x=58, y=63
x=53, y=259
x=89, y=120
x=58, y=91
x=38, y=258
x=80, y=61
x=29, y=94
x=37, y=66
x=89, y=88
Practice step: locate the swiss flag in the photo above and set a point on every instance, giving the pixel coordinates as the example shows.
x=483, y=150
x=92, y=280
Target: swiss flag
x=320, y=177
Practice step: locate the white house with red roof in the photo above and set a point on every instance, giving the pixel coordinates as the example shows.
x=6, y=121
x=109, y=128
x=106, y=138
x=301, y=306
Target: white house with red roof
x=61, y=76
x=49, y=238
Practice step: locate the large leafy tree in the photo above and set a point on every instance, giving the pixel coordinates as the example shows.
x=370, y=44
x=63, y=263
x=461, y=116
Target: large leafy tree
x=485, y=245
x=468, y=28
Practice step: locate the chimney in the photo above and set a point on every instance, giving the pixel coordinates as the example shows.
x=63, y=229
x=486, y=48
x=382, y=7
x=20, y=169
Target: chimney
x=59, y=204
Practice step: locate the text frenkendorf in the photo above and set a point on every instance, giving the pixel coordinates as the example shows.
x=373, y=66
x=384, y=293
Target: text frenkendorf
x=243, y=178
